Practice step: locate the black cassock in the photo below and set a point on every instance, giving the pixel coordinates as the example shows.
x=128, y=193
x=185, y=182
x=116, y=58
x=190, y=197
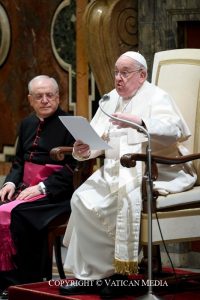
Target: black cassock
x=29, y=221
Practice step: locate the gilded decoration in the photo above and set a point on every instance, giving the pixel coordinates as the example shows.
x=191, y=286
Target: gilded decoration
x=110, y=29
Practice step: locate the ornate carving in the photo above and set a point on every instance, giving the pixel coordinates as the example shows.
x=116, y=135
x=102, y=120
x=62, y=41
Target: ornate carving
x=110, y=29
x=4, y=35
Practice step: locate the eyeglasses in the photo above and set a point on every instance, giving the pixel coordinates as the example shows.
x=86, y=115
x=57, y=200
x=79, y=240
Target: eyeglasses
x=39, y=96
x=125, y=74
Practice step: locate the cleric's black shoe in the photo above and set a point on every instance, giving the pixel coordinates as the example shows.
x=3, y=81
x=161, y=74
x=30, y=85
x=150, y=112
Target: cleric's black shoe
x=4, y=294
x=79, y=287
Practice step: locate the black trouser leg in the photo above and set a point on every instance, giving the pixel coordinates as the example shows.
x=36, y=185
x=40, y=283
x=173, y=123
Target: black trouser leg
x=8, y=278
x=31, y=245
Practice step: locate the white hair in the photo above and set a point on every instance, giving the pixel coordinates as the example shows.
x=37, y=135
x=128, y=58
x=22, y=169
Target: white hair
x=41, y=77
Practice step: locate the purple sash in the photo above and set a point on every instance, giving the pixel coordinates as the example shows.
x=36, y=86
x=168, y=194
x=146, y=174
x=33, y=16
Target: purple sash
x=33, y=174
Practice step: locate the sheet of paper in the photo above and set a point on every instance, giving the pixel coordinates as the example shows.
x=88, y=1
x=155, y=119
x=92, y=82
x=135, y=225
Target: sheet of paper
x=81, y=129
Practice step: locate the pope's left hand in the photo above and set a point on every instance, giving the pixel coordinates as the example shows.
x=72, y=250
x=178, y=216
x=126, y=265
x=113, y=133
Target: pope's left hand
x=126, y=117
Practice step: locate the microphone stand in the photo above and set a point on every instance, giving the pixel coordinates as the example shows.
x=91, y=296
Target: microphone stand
x=149, y=186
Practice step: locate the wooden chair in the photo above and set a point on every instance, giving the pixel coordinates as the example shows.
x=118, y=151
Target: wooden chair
x=176, y=217
x=56, y=229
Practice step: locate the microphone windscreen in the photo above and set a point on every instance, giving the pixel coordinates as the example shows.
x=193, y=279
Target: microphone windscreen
x=106, y=97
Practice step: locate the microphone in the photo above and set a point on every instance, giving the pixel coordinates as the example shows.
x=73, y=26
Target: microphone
x=106, y=97
x=133, y=125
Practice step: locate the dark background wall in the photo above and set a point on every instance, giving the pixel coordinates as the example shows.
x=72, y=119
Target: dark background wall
x=169, y=24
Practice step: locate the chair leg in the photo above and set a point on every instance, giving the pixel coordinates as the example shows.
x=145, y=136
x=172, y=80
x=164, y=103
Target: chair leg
x=50, y=256
x=58, y=257
x=156, y=260
x=49, y=270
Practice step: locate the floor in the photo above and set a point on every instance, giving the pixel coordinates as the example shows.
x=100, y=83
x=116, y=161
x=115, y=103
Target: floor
x=64, y=251
x=194, y=265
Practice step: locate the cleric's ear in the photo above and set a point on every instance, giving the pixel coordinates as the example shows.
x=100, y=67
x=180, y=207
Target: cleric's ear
x=30, y=99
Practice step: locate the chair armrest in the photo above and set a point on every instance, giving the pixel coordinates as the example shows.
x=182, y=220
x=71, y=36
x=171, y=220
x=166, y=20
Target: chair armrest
x=82, y=170
x=129, y=160
x=59, y=153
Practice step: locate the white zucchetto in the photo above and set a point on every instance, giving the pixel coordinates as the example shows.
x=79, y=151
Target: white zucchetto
x=136, y=56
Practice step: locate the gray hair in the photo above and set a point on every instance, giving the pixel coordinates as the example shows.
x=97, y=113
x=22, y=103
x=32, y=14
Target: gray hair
x=41, y=77
x=140, y=66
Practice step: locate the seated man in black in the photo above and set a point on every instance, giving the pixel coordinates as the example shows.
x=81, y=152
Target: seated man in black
x=36, y=190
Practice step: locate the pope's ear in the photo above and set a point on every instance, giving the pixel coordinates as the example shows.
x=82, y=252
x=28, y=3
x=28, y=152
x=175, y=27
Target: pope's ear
x=143, y=75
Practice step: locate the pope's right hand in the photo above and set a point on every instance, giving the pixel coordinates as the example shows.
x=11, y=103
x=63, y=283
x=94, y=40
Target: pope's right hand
x=81, y=149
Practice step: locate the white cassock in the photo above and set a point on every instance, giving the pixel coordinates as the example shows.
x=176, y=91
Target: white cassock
x=103, y=234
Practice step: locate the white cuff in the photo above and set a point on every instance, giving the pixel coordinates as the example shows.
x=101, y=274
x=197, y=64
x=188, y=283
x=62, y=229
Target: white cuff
x=80, y=158
x=10, y=183
x=42, y=188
